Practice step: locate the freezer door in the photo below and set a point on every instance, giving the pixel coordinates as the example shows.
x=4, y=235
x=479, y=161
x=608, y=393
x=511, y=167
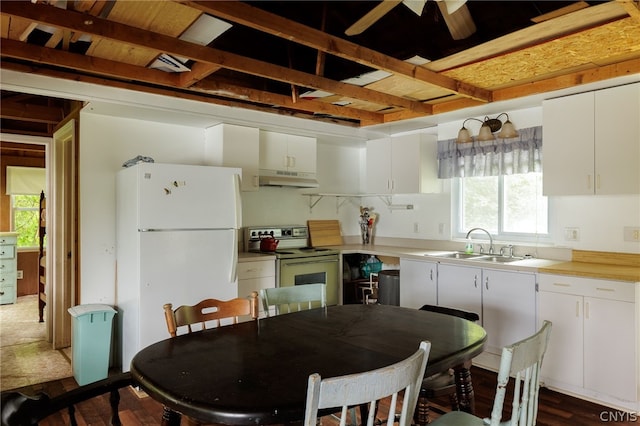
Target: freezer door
x=182, y=268
x=173, y=196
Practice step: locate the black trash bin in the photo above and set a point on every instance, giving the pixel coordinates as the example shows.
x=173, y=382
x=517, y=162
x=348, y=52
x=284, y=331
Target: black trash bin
x=389, y=287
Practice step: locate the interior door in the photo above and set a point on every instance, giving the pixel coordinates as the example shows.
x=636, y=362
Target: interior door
x=61, y=271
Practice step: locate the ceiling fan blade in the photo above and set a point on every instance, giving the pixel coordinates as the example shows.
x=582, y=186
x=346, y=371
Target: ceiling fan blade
x=416, y=6
x=370, y=18
x=460, y=23
x=454, y=5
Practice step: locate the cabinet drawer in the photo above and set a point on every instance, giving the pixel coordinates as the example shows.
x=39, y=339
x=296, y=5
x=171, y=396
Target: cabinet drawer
x=590, y=287
x=8, y=241
x=8, y=279
x=7, y=294
x=7, y=252
x=7, y=265
x=256, y=269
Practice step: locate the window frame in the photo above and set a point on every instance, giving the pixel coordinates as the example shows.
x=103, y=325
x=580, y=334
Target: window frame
x=35, y=209
x=501, y=235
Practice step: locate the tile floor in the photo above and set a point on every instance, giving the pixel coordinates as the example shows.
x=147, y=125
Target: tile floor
x=26, y=358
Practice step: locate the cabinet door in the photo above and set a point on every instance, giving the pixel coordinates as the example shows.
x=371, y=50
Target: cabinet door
x=563, y=361
x=610, y=360
x=460, y=287
x=273, y=151
x=617, y=132
x=301, y=151
x=418, y=283
x=405, y=164
x=508, y=307
x=568, y=148
x=379, y=166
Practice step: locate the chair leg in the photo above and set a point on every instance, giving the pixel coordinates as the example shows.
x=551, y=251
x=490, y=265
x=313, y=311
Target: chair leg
x=421, y=415
x=453, y=400
x=170, y=417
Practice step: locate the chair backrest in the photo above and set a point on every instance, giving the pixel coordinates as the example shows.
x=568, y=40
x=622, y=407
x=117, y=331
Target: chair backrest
x=294, y=298
x=209, y=312
x=368, y=388
x=523, y=361
x=471, y=316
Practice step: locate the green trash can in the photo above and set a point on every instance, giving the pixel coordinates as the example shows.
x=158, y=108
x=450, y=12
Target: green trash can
x=91, y=341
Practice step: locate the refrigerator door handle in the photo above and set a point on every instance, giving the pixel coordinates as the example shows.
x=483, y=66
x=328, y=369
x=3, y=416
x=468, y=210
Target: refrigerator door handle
x=233, y=275
x=238, y=200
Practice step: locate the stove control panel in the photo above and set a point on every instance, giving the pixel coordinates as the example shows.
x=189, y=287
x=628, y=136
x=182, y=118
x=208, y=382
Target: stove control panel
x=289, y=236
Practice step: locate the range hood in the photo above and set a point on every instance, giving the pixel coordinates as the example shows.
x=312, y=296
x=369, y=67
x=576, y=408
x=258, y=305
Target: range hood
x=288, y=178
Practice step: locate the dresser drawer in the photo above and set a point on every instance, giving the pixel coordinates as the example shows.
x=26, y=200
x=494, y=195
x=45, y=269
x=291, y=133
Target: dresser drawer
x=7, y=294
x=8, y=240
x=256, y=269
x=8, y=279
x=7, y=252
x=7, y=265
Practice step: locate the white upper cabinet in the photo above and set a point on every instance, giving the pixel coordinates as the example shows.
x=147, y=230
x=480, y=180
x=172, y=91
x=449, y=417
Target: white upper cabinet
x=402, y=165
x=293, y=153
x=235, y=146
x=591, y=142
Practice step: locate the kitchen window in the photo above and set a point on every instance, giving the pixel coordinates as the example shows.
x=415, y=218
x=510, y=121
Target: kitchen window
x=510, y=207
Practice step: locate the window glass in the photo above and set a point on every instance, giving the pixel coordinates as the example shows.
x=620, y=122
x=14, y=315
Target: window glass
x=25, y=219
x=508, y=206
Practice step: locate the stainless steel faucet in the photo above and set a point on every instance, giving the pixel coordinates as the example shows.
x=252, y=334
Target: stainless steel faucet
x=485, y=231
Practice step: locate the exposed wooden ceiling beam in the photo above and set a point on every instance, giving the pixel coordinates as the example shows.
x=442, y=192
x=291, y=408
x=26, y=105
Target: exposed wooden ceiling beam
x=253, y=17
x=17, y=50
x=134, y=36
x=33, y=113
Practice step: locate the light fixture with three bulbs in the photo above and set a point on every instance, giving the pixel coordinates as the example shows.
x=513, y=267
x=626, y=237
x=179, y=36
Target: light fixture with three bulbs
x=488, y=128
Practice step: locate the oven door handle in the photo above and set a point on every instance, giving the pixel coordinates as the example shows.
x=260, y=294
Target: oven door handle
x=313, y=262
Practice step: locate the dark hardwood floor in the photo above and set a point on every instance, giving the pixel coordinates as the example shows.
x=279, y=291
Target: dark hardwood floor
x=136, y=410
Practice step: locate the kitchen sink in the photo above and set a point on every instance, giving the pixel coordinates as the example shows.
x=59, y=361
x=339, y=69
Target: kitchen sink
x=499, y=259
x=489, y=258
x=458, y=255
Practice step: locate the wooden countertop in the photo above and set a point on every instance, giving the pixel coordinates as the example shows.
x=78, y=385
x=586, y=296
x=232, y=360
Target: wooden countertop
x=245, y=256
x=590, y=264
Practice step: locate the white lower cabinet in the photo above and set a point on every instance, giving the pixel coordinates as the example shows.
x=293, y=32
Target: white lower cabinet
x=505, y=301
x=418, y=283
x=460, y=287
x=593, y=349
x=255, y=275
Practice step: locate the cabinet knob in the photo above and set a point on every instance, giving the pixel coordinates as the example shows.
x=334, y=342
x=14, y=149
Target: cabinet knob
x=1, y=293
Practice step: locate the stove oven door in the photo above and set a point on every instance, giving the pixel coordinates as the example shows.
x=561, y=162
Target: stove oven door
x=311, y=270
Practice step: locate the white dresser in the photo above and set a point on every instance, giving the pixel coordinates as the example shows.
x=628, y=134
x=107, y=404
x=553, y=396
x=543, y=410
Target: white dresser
x=8, y=267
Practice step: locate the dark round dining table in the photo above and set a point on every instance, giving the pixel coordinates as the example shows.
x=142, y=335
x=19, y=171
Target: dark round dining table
x=256, y=372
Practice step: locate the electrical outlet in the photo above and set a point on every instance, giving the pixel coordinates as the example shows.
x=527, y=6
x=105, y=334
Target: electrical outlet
x=441, y=228
x=632, y=234
x=572, y=234
x=415, y=227
x=20, y=275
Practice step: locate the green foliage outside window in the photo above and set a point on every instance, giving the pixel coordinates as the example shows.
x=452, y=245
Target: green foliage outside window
x=26, y=215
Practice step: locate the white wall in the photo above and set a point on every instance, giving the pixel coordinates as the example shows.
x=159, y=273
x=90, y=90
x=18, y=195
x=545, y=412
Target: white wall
x=105, y=143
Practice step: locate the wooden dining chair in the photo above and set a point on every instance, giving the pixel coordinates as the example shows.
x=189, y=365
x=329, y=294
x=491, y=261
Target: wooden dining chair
x=440, y=384
x=523, y=361
x=294, y=298
x=203, y=315
x=209, y=312
x=369, y=388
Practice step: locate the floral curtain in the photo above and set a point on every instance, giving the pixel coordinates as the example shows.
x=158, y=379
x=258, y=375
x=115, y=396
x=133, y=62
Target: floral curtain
x=522, y=154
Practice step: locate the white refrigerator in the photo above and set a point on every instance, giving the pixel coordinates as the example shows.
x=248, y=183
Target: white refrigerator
x=177, y=242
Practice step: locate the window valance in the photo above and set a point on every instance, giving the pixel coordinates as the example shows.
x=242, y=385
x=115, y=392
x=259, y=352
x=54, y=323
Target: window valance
x=522, y=154
x=25, y=180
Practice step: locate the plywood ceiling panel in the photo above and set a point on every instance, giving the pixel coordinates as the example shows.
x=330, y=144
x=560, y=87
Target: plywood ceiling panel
x=617, y=39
